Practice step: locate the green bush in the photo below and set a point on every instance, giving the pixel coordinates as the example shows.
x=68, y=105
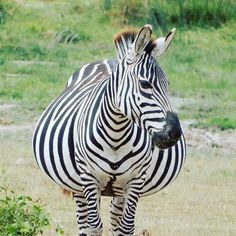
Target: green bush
x=20, y=215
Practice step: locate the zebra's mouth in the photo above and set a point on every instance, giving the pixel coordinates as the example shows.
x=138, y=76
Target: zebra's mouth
x=162, y=140
x=171, y=133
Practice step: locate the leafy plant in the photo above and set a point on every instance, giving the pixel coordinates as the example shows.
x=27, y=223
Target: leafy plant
x=20, y=215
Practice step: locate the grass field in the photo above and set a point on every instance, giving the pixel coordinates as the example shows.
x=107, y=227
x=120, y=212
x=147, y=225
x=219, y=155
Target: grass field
x=43, y=42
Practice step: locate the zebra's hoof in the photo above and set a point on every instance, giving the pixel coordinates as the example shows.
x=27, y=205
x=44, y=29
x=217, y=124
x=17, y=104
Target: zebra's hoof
x=93, y=232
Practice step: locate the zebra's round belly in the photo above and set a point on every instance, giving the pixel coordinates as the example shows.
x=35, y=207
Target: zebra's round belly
x=164, y=168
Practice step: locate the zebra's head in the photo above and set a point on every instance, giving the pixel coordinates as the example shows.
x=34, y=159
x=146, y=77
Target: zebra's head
x=142, y=92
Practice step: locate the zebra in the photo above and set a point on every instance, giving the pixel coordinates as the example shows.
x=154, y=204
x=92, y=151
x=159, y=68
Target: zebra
x=113, y=132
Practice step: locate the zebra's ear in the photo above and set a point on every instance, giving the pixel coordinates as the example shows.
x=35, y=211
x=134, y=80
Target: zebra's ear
x=142, y=39
x=140, y=42
x=163, y=43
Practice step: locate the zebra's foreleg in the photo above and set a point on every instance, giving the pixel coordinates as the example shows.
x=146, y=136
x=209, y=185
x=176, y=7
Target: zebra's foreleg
x=126, y=226
x=92, y=196
x=116, y=212
x=81, y=213
x=131, y=197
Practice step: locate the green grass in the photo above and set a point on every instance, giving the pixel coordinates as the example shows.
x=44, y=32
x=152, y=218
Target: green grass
x=201, y=67
x=54, y=38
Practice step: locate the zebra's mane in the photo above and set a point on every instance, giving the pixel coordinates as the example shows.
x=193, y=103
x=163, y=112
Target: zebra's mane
x=124, y=40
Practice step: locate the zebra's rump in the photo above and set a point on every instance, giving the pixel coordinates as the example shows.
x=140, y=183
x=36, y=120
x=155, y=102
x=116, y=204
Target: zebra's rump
x=53, y=139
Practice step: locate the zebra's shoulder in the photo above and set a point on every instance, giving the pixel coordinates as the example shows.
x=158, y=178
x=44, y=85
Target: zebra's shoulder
x=103, y=68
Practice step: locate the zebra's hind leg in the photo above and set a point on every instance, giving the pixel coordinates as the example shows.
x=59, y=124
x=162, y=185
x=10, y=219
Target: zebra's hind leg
x=81, y=213
x=116, y=212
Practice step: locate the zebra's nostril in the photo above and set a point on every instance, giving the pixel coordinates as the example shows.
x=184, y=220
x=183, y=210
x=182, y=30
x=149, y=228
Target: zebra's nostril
x=170, y=134
x=175, y=133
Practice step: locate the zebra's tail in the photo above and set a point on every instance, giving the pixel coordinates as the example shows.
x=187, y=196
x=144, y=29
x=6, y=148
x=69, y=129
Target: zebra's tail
x=67, y=193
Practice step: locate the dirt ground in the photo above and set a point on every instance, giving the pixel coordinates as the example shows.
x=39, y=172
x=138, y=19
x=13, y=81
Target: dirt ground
x=200, y=202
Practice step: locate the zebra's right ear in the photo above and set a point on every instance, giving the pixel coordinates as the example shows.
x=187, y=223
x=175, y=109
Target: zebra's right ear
x=142, y=39
x=163, y=43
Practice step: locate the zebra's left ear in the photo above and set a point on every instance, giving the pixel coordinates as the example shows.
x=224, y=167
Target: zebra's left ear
x=162, y=44
x=141, y=40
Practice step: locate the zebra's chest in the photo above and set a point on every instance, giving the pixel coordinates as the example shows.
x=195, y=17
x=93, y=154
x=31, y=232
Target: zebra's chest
x=114, y=167
x=110, y=154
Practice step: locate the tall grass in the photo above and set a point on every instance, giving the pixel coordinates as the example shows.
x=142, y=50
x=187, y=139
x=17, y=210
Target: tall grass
x=192, y=13
x=173, y=12
x=7, y=10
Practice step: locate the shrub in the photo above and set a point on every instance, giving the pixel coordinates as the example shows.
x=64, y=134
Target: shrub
x=20, y=215
x=69, y=36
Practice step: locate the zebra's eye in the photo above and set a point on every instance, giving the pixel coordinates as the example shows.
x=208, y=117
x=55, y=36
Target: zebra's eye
x=145, y=84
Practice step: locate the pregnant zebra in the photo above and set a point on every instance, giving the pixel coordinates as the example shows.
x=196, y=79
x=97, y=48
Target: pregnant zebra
x=113, y=132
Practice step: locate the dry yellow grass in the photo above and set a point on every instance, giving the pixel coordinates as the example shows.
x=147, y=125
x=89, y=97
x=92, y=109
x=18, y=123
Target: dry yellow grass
x=200, y=202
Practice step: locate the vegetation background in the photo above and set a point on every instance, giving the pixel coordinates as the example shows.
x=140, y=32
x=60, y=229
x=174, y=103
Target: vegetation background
x=43, y=41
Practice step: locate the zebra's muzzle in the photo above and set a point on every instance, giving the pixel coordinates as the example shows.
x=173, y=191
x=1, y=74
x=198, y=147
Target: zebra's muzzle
x=170, y=134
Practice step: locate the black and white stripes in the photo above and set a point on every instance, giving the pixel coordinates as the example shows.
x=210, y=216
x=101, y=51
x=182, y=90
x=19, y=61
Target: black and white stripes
x=101, y=135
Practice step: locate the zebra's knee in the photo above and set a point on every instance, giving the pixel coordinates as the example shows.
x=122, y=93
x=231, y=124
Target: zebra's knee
x=116, y=211
x=81, y=213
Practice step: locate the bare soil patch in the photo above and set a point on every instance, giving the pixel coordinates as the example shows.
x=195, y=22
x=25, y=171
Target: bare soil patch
x=196, y=137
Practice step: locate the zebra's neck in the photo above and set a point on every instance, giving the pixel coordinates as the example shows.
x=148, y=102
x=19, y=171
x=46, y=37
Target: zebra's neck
x=112, y=125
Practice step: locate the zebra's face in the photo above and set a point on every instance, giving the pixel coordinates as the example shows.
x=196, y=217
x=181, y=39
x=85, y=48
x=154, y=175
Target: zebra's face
x=143, y=92
x=147, y=93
